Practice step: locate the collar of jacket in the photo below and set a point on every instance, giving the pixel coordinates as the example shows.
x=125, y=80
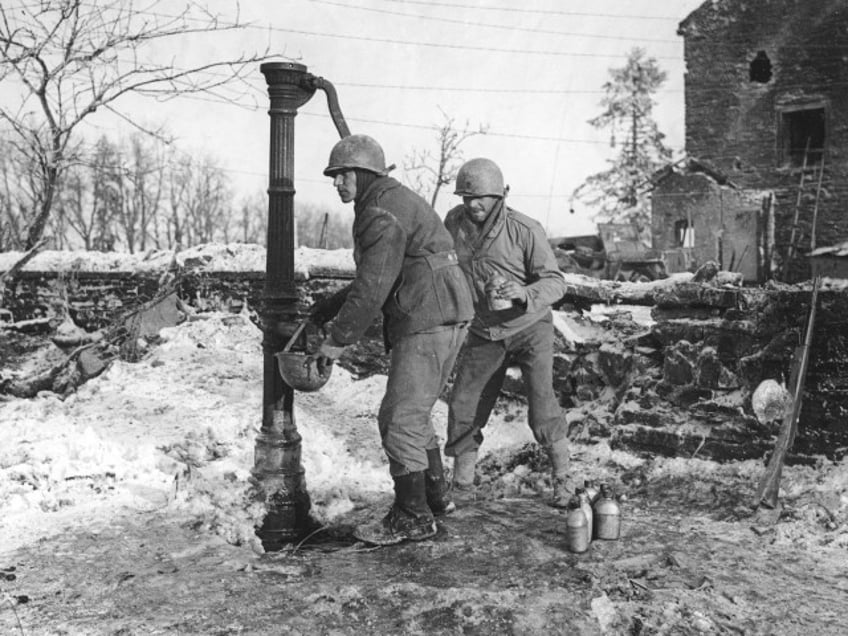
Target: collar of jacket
x=374, y=192
x=490, y=226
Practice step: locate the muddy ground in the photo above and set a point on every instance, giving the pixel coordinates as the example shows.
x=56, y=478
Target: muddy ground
x=122, y=513
x=691, y=560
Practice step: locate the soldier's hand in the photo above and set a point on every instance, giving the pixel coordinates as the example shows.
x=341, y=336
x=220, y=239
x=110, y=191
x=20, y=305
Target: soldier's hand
x=330, y=349
x=323, y=311
x=513, y=291
x=323, y=363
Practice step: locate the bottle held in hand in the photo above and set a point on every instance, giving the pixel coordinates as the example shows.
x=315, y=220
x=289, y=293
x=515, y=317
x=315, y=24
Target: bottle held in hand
x=496, y=302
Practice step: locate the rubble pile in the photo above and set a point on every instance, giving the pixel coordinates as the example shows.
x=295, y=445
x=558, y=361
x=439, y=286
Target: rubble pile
x=667, y=366
x=683, y=385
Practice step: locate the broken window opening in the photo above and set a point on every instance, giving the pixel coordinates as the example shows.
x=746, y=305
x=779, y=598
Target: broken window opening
x=684, y=233
x=760, y=69
x=803, y=133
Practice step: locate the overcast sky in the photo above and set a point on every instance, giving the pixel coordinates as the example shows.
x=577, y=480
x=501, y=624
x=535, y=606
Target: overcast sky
x=532, y=75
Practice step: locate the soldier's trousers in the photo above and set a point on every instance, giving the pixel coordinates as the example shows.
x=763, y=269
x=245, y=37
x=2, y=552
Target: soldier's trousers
x=419, y=368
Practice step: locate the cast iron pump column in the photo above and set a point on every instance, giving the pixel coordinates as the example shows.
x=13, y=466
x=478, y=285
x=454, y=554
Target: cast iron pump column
x=277, y=473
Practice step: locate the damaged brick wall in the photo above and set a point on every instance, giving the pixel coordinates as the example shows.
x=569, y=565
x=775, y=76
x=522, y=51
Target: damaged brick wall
x=761, y=77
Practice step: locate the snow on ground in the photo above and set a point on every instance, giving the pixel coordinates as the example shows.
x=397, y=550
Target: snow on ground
x=213, y=257
x=177, y=429
x=640, y=314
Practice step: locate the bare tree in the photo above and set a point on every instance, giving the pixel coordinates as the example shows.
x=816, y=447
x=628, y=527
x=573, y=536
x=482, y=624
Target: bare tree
x=252, y=223
x=142, y=186
x=107, y=197
x=73, y=205
x=11, y=218
x=315, y=222
x=428, y=172
x=178, y=179
x=207, y=203
x=86, y=198
x=200, y=202
x=73, y=57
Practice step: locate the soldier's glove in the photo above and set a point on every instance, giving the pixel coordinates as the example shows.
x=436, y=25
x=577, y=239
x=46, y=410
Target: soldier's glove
x=324, y=310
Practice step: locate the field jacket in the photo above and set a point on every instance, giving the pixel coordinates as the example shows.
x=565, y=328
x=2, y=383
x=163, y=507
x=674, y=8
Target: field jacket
x=516, y=247
x=405, y=265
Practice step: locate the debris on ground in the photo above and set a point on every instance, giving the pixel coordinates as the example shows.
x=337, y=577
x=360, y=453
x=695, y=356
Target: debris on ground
x=125, y=507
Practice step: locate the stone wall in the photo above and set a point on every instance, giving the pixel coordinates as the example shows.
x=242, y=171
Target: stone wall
x=95, y=299
x=710, y=356
x=680, y=387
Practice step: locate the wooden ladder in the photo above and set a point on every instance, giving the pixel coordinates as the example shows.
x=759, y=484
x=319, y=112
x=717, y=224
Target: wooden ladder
x=795, y=236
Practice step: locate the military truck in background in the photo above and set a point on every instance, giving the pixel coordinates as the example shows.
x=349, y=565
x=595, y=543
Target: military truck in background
x=615, y=253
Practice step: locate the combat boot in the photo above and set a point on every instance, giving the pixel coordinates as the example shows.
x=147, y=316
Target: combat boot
x=462, y=482
x=563, y=484
x=409, y=518
x=436, y=486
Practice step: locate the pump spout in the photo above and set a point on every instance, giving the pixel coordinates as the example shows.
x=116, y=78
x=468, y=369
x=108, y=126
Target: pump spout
x=319, y=83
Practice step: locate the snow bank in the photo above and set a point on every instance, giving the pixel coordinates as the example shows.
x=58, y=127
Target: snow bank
x=212, y=257
x=177, y=430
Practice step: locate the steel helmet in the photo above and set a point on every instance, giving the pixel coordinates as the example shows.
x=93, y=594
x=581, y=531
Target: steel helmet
x=356, y=151
x=479, y=178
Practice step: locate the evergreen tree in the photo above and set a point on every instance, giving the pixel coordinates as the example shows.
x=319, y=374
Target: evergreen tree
x=618, y=194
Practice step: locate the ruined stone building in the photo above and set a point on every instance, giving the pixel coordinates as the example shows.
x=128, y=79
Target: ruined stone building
x=767, y=106
x=699, y=215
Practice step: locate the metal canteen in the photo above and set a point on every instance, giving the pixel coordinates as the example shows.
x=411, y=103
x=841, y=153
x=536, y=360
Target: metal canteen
x=576, y=527
x=607, y=516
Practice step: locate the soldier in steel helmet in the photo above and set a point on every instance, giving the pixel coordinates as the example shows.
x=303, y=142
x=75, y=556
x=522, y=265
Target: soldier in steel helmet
x=406, y=266
x=515, y=280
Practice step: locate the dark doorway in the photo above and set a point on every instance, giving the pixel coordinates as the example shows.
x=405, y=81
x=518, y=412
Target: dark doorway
x=803, y=133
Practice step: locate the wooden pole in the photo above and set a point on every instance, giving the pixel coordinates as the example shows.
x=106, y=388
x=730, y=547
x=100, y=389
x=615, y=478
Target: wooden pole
x=770, y=483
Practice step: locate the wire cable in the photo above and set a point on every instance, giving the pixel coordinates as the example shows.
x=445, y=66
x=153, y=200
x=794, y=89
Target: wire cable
x=461, y=47
x=508, y=27
x=523, y=9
